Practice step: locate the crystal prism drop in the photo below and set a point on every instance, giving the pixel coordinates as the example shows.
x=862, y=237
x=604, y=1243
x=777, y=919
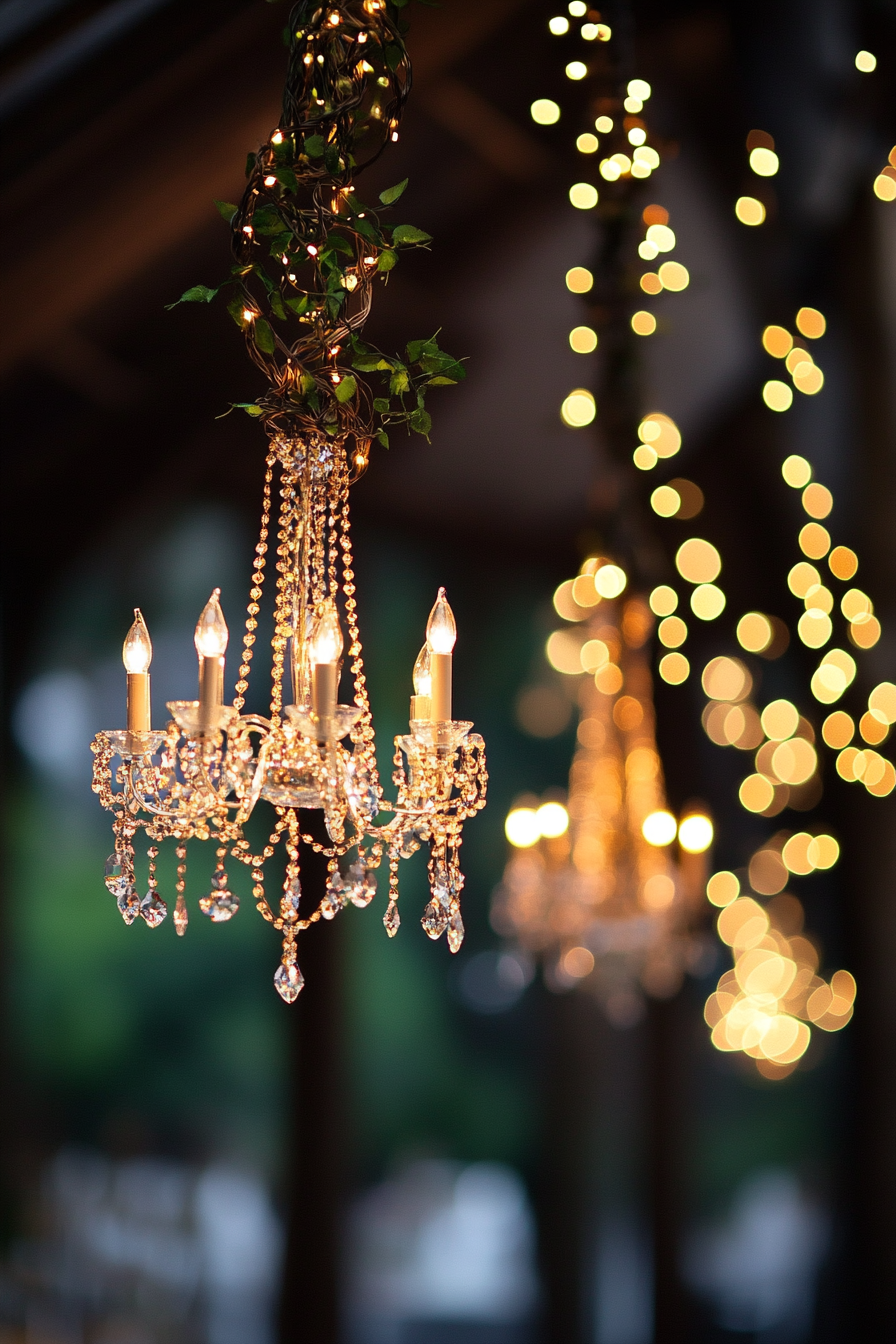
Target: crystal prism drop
x=392, y=919
x=455, y=930
x=180, y=916
x=219, y=879
x=288, y=981
x=435, y=920
x=116, y=875
x=128, y=903
x=219, y=906
x=153, y=909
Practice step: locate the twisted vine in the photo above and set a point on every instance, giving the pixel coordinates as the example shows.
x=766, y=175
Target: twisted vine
x=307, y=251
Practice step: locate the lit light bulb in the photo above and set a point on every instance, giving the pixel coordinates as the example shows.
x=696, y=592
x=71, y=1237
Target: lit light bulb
x=326, y=637
x=211, y=629
x=137, y=651
x=423, y=673
x=136, y=654
x=441, y=630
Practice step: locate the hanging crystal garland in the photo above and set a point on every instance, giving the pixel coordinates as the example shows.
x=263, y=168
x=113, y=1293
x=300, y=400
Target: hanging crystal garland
x=201, y=777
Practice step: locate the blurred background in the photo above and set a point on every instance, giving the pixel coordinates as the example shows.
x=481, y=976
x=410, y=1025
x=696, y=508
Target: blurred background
x=427, y=1149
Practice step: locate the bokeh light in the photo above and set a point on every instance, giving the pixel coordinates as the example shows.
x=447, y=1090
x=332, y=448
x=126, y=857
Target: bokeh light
x=663, y=600
x=754, y=632
x=695, y=833
x=643, y=323
x=579, y=280
x=578, y=408
x=707, y=602
x=723, y=888
x=698, y=561
x=583, y=196
x=843, y=563
x=749, y=211
x=674, y=668
x=777, y=395
x=521, y=827
x=659, y=828
x=583, y=340
x=545, y=112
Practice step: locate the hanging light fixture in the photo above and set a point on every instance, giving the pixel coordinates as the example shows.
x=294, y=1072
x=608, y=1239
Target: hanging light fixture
x=306, y=254
x=599, y=889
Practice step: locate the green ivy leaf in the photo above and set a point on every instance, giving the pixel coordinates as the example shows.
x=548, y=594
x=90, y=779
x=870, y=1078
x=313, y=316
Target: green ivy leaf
x=264, y=336
x=391, y=194
x=277, y=306
x=249, y=407
x=314, y=146
x=346, y=389
x=399, y=382
x=299, y=306
x=366, y=229
x=267, y=220
x=407, y=233
x=308, y=383
x=235, y=308
x=332, y=160
x=225, y=210
x=195, y=294
x=416, y=349
x=280, y=243
x=387, y=260
x=381, y=405
x=421, y=422
x=440, y=381
x=250, y=163
x=383, y=438
x=393, y=56
x=287, y=178
x=340, y=244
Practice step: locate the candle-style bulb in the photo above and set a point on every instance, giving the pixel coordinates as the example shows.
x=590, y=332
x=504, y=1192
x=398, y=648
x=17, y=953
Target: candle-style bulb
x=441, y=631
x=423, y=673
x=211, y=629
x=137, y=651
x=326, y=635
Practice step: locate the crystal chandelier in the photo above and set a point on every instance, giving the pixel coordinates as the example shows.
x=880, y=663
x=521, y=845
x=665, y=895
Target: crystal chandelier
x=593, y=889
x=306, y=252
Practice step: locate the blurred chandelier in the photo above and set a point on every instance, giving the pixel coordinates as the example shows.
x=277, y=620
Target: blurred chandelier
x=201, y=777
x=594, y=888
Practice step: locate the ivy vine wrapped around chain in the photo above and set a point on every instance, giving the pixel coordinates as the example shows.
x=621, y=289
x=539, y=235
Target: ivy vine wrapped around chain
x=307, y=250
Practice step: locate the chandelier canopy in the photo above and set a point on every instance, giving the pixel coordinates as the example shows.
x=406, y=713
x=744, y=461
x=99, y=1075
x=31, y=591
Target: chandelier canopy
x=306, y=254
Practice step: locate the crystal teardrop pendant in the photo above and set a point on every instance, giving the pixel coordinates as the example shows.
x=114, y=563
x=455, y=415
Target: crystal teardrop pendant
x=335, y=896
x=288, y=981
x=219, y=905
x=116, y=874
x=435, y=920
x=360, y=884
x=153, y=909
x=455, y=929
x=128, y=902
x=391, y=919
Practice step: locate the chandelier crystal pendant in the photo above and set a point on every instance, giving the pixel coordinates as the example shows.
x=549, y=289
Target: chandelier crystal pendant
x=306, y=253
